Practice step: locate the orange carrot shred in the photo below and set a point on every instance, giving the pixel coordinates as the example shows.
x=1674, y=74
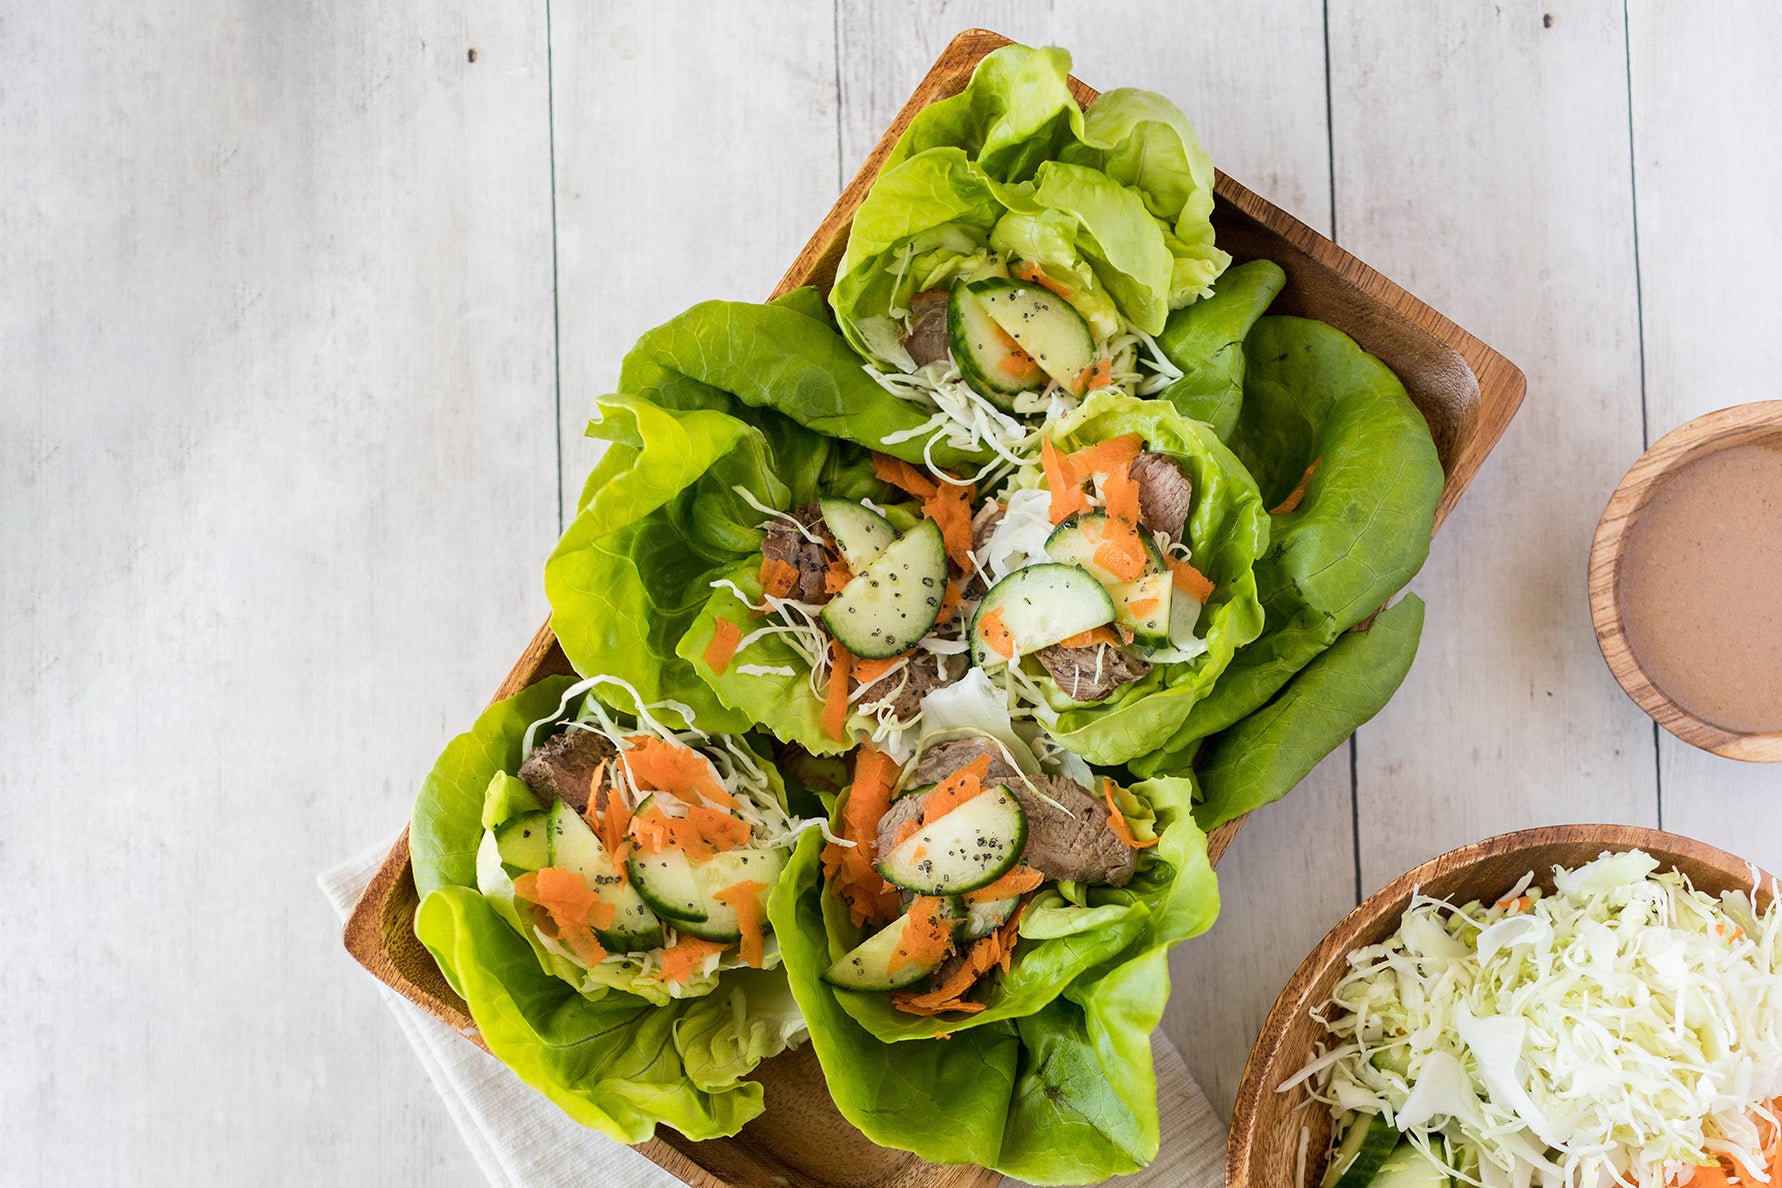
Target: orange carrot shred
x=1017, y=364
x=835, y=702
x=745, y=898
x=950, y=601
x=1063, y=482
x=1105, y=457
x=996, y=635
x=657, y=765
x=1143, y=606
x=1122, y=551
x=566, y=896
x=722, y=649
x=721, y=829
x=838, y=576
x=614, y=824
x=588, y=813
x=849, y=869
x=1018, y=881
x=956, y=789
x=680, y=959
x=1098, y=374
x=1089, y=638
x=1033, y=274
x=1297, y=494
x=777, y=577
x=867, y=671
x=1190, y=580
x=950, y=507
x=902, y=475
x=926, y=936
x=583, y=945
x=906, y=831
x=1120, y=494
x=1117, y=820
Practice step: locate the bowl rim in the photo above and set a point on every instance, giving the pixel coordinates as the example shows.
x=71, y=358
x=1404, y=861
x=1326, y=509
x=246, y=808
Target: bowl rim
x=1390, y=901
x=1738, y=424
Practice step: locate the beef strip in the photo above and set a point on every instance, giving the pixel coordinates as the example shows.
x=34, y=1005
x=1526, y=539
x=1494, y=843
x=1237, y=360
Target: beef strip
x=562, y=767
x=810, y=558
x=1164, y=494
x=1074, y=844
x=944, y=758
x=905, y=688
x=1091, y=673
x=927, y=337
x=902, y=810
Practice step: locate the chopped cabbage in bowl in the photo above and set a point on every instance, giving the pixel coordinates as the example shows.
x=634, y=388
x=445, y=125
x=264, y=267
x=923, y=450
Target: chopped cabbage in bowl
x=1624, y=1028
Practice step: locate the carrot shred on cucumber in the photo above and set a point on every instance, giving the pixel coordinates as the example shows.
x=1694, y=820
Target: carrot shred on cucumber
x=583, y=944
x=926, y=938
x=903, y=476
x=680, y=959
x=615, y=823
x=955, y=790
x=838, y=575
x=745, y=899
x=1033, y=274
x=950, y=507
x=1091, y=637
x=950, y=602
x=778, y=578
x=1105, y=457
x=726, y=636
x=1143, y=606
x=1063, y=483
x=1018, y=881
x=1117, y=820
x=835, y=702
x=722, y=830
x=1098, y=374
x=997, y=636
x=1190, y=580
x=566, y=896
x=1298, y=494
x=1120, y=493
x=1122, y=551
x=657, y=765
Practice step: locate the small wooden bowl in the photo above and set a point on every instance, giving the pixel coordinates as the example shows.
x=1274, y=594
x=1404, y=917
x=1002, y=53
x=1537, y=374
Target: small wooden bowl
x=1263, y=1150
x=1742, y=424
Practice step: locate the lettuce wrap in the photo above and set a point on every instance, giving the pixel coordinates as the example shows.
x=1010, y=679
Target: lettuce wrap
x=618, y=1053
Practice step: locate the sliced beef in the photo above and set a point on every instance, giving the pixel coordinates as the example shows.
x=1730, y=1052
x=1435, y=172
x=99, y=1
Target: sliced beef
x=809, y=557
x=1163, y=494
x=943, y=759
x=1091, y=673
x=927, y=337
x=1075, y=843
x=906, y=687
x=562, y=767
x=902, y=811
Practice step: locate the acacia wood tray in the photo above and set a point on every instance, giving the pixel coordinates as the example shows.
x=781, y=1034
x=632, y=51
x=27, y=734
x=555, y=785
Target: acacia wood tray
x=1465, y=390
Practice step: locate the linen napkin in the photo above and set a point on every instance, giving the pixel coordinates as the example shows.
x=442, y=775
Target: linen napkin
x=521, y=1140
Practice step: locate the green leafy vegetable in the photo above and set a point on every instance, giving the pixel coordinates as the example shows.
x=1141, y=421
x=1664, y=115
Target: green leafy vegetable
x=1206, y=340
x=1259, y=760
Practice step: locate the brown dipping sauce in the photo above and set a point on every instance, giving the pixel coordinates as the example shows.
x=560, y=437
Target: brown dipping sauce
x=1701, y=588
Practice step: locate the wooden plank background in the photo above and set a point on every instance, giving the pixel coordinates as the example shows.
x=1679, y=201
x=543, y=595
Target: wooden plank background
x=303, y=310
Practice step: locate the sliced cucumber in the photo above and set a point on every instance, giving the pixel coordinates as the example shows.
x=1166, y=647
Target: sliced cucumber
x=966, y=849
x=868, y=965
x=719, y=922
x=1407, y=1167
x=1076, y=541
x=573, y=846
x=892, y=603
x=988, y=358
x=1370, y=1140
x=1184, y=617
x=1040, y=605
x=1151, y=625
x=667, y=884
x=1045, y=325
x=523, y=841
x=981, y=919
x=860, y=532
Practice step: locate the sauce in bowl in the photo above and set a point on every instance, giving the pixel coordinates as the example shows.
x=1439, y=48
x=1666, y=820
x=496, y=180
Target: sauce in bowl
x=1701, y=587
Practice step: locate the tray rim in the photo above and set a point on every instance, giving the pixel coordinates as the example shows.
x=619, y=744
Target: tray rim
x=1501, y=387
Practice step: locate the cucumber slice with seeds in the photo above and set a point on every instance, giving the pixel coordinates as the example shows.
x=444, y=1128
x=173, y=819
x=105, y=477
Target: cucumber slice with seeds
x=1075, y=542
x=726, y=870
x=523, y=842
x=1370, y=1140
x=891, y=604
x=1150, y=625
x=981, y=919
x=573, y=846
x=989, y=360
x=666, y=883
x=1045, y=325
x=1039, y=606
x=968, y=848
x=860, y=532
x=867, y=966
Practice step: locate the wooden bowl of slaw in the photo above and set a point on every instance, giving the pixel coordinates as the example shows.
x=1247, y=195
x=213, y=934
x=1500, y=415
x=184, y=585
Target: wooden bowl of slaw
x=1269, y=1128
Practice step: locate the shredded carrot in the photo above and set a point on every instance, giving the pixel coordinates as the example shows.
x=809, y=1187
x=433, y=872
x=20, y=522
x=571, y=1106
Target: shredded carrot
x=1098, y=374
x=835, y=702
x=684, y=956
x=1190, y=580
x=956, y=789
x=996, y=635
x=867, y=671
x=1143, y=606
x=588, y=811
x=1120, y=494
x=985, y=954
x=584, y=945
x=849, y=869
x=722, y=649
x=654, y=831
x=927, y=936
x=902, y=475
x=722, y=830
x=950, y=601
x=657, y=765
x=566, y=895
x=906, y=831
x=1117, y=820
x=1519, y=904
x=875, y=774
x=1105, y=457
x=1063, y=482
x=838, y=576
x=745, y=898
x=777, y=577
x=950, y=507
x=1018, y=881
x=1017, y=364
x=1033, y=274
x=1298, y=493
x=1008, y=934
x=1089, y=638
x=1122, y=551
x=1725, y=1172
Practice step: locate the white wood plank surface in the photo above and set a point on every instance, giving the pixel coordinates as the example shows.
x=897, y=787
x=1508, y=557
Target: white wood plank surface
x=277, y=471
x=304, y=312
x=1710, y=223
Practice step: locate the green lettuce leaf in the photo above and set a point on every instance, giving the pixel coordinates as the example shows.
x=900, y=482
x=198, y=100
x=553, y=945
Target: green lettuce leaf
x=718, y=1050
x=1227, y=531
x=1206, y=340
x=1016, y=112
x=1360, y=533
x=1259, y=760
x=1061, y=1094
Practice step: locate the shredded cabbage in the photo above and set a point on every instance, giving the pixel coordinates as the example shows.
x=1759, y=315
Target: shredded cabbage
x=1624, y=1028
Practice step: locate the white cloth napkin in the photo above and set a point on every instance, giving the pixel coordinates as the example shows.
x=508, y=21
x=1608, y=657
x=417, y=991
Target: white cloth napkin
x=521, y=1140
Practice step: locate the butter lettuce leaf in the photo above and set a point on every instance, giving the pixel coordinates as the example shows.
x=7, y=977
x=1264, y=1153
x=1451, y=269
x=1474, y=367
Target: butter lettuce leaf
x=1206, y=341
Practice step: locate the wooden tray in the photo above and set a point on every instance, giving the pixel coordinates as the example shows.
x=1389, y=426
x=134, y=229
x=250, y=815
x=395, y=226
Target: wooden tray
x=1465, y=390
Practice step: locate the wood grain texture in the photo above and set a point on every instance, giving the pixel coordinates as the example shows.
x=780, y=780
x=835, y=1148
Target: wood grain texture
x=1265, y=1127
x=1710, y=226
x=1743, y=424
x=276, y=334
x=1483, y=162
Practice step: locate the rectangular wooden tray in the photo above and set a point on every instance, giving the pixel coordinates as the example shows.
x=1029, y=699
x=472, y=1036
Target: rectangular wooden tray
x=1465, y=390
